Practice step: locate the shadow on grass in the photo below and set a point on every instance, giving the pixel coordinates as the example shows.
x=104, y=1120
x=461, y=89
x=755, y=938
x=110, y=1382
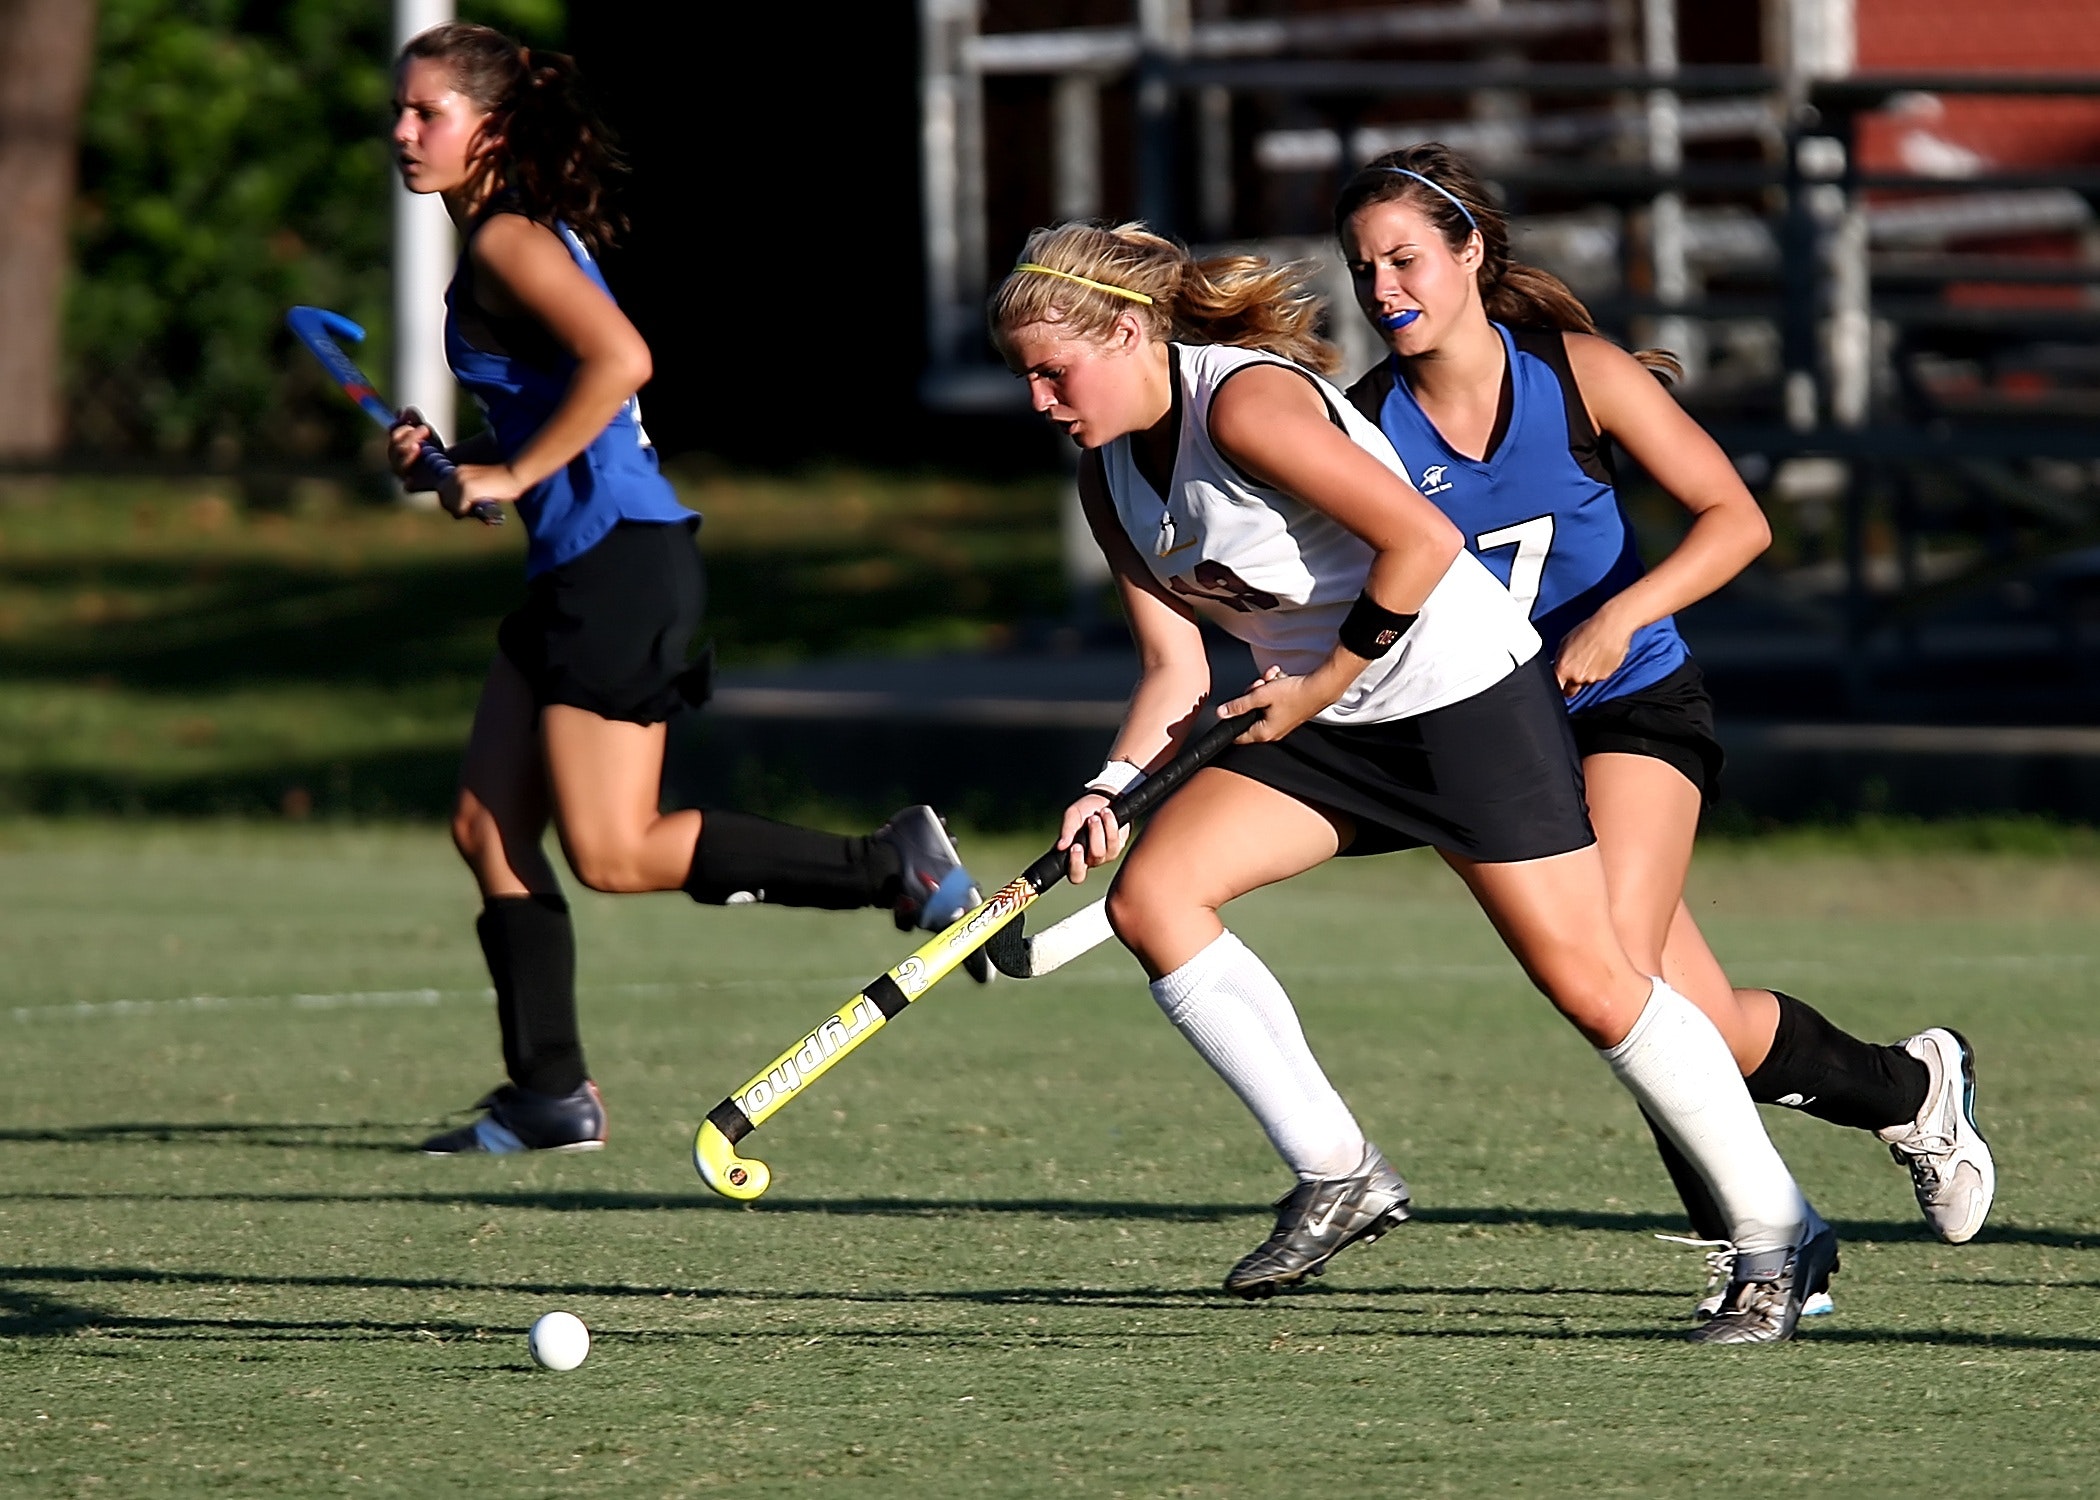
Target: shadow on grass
x=1863, y=1231
x=331, y=1137
x=221, y=623
x=34, y=1314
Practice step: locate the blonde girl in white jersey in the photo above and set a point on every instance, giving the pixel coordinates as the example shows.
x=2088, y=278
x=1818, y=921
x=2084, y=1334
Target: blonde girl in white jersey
x=1404, y=703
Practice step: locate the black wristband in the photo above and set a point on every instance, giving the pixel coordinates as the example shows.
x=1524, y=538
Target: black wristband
x=1371, y=629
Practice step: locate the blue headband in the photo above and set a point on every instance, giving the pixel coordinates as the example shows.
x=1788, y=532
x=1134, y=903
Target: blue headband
x=1446, y=192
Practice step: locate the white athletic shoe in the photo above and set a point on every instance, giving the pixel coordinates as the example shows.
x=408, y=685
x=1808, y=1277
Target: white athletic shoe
x=1950, y=1163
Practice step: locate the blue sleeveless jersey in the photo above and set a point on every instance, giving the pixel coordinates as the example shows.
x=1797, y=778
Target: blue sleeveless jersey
x=1541, y=510
x=518, y=388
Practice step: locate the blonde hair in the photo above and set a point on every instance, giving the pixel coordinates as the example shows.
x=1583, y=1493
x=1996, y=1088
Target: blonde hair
x=1082, y=277
x=1455, y=202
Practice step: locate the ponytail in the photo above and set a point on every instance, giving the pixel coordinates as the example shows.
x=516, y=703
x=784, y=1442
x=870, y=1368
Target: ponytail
x=1456, y=204
x=548, y=147
x=1084, y=276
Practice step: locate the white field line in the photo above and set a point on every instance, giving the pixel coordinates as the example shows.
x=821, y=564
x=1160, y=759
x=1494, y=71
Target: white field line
x=87, y=1010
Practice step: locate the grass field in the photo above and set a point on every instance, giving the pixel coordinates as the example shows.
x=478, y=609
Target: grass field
x=988, y=1263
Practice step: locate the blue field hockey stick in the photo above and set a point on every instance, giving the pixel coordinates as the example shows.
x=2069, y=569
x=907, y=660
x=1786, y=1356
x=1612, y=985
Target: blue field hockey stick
x=318, y=328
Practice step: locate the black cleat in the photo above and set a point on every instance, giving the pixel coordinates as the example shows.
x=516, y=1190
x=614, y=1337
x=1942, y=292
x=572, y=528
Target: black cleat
x=1317, y=1220
x=1766, y=1311
x=522, y=1120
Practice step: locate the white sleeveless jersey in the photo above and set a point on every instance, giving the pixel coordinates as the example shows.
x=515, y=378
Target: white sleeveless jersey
x=1281, y=576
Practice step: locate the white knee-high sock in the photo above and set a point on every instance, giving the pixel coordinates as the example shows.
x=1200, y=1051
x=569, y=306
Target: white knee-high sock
x=1232, y=1010
x=1675, y=1063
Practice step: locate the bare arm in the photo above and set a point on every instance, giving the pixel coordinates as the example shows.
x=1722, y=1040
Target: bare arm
x=523, y=269
x=1728, y=530
x=1173, y=680
x=1275, y=426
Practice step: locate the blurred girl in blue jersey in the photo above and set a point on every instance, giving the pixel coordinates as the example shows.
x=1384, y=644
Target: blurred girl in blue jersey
x=1503, y=403
x=571, y=722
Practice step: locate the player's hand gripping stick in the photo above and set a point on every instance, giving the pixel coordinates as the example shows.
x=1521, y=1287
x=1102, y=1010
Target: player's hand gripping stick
x=788, y=1075
x=318, y=328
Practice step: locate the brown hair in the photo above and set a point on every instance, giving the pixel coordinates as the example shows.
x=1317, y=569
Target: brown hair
x=1228, y=299
x=1513, y=293
x=551, y=150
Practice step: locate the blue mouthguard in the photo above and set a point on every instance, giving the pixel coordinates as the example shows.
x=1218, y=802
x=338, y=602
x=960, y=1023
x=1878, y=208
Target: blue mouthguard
x=1400, y=320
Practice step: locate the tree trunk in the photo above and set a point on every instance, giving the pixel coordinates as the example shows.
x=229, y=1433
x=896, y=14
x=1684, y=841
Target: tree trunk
x=46, y=51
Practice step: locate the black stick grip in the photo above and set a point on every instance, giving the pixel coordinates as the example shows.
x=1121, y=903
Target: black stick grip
x=1199, y=752
x=431, y=469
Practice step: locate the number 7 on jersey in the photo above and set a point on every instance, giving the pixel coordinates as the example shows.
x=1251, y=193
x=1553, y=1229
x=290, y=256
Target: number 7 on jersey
x=1533, y=539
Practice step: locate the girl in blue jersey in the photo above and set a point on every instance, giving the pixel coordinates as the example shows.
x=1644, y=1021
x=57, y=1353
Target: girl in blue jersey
x=1500, y=398
x=571, y=723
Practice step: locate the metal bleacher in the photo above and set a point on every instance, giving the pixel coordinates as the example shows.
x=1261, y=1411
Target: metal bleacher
x=1904, y=360
x=1897, y=339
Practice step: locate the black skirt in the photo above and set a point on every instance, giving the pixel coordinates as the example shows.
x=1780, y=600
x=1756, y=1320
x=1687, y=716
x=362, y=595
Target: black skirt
x=1493, y=778
x=1671, y=721
x=609, y=631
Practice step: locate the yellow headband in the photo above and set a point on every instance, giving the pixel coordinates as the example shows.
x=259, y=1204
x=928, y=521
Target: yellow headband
x=1099, y=286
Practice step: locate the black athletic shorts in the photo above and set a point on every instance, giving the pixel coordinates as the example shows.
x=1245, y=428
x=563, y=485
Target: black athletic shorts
x=609, y=631
x=1493, y=778
x=1671, y=721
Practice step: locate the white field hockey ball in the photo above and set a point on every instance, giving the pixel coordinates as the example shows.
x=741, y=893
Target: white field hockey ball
x=559, y=1341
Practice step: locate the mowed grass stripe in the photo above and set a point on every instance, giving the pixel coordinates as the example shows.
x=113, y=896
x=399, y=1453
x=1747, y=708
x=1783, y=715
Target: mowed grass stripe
x=990, y=1262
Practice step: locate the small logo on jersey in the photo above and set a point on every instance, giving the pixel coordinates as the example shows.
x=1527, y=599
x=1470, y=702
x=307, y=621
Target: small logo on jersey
x=1794, y=1101
x=1166, y=546
x=1433, y=480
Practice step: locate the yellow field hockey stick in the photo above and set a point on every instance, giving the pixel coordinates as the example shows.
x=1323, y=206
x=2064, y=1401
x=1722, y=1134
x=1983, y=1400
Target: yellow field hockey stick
x=769, y=1090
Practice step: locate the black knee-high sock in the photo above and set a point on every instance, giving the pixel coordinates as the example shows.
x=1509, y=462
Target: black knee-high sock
x=531, y=951
x=1708, y=1222
x=740, y=854
x=1833, y=1075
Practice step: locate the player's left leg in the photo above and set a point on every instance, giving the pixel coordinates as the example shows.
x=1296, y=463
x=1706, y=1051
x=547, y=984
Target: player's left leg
x=1554, y=915
x=1646, y=813
x=498, y=821
x=1916, y=1095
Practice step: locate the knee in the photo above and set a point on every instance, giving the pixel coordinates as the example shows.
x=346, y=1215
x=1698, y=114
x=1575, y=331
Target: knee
x=475, y=833
x=611, y=868
x=1601, y=1000
x=1132, y=908
x=1160, y=921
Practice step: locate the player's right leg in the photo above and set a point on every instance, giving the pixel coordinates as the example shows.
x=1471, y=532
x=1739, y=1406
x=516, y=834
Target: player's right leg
x=605, y=773
x=498, y=820
x=1221, y=836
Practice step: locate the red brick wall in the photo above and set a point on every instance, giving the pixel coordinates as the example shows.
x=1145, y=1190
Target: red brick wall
x=1986, y=36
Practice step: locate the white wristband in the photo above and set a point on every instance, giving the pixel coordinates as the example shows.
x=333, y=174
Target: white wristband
x=1115, y=778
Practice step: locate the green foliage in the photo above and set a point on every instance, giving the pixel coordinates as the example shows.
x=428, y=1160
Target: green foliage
x=232, y=164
